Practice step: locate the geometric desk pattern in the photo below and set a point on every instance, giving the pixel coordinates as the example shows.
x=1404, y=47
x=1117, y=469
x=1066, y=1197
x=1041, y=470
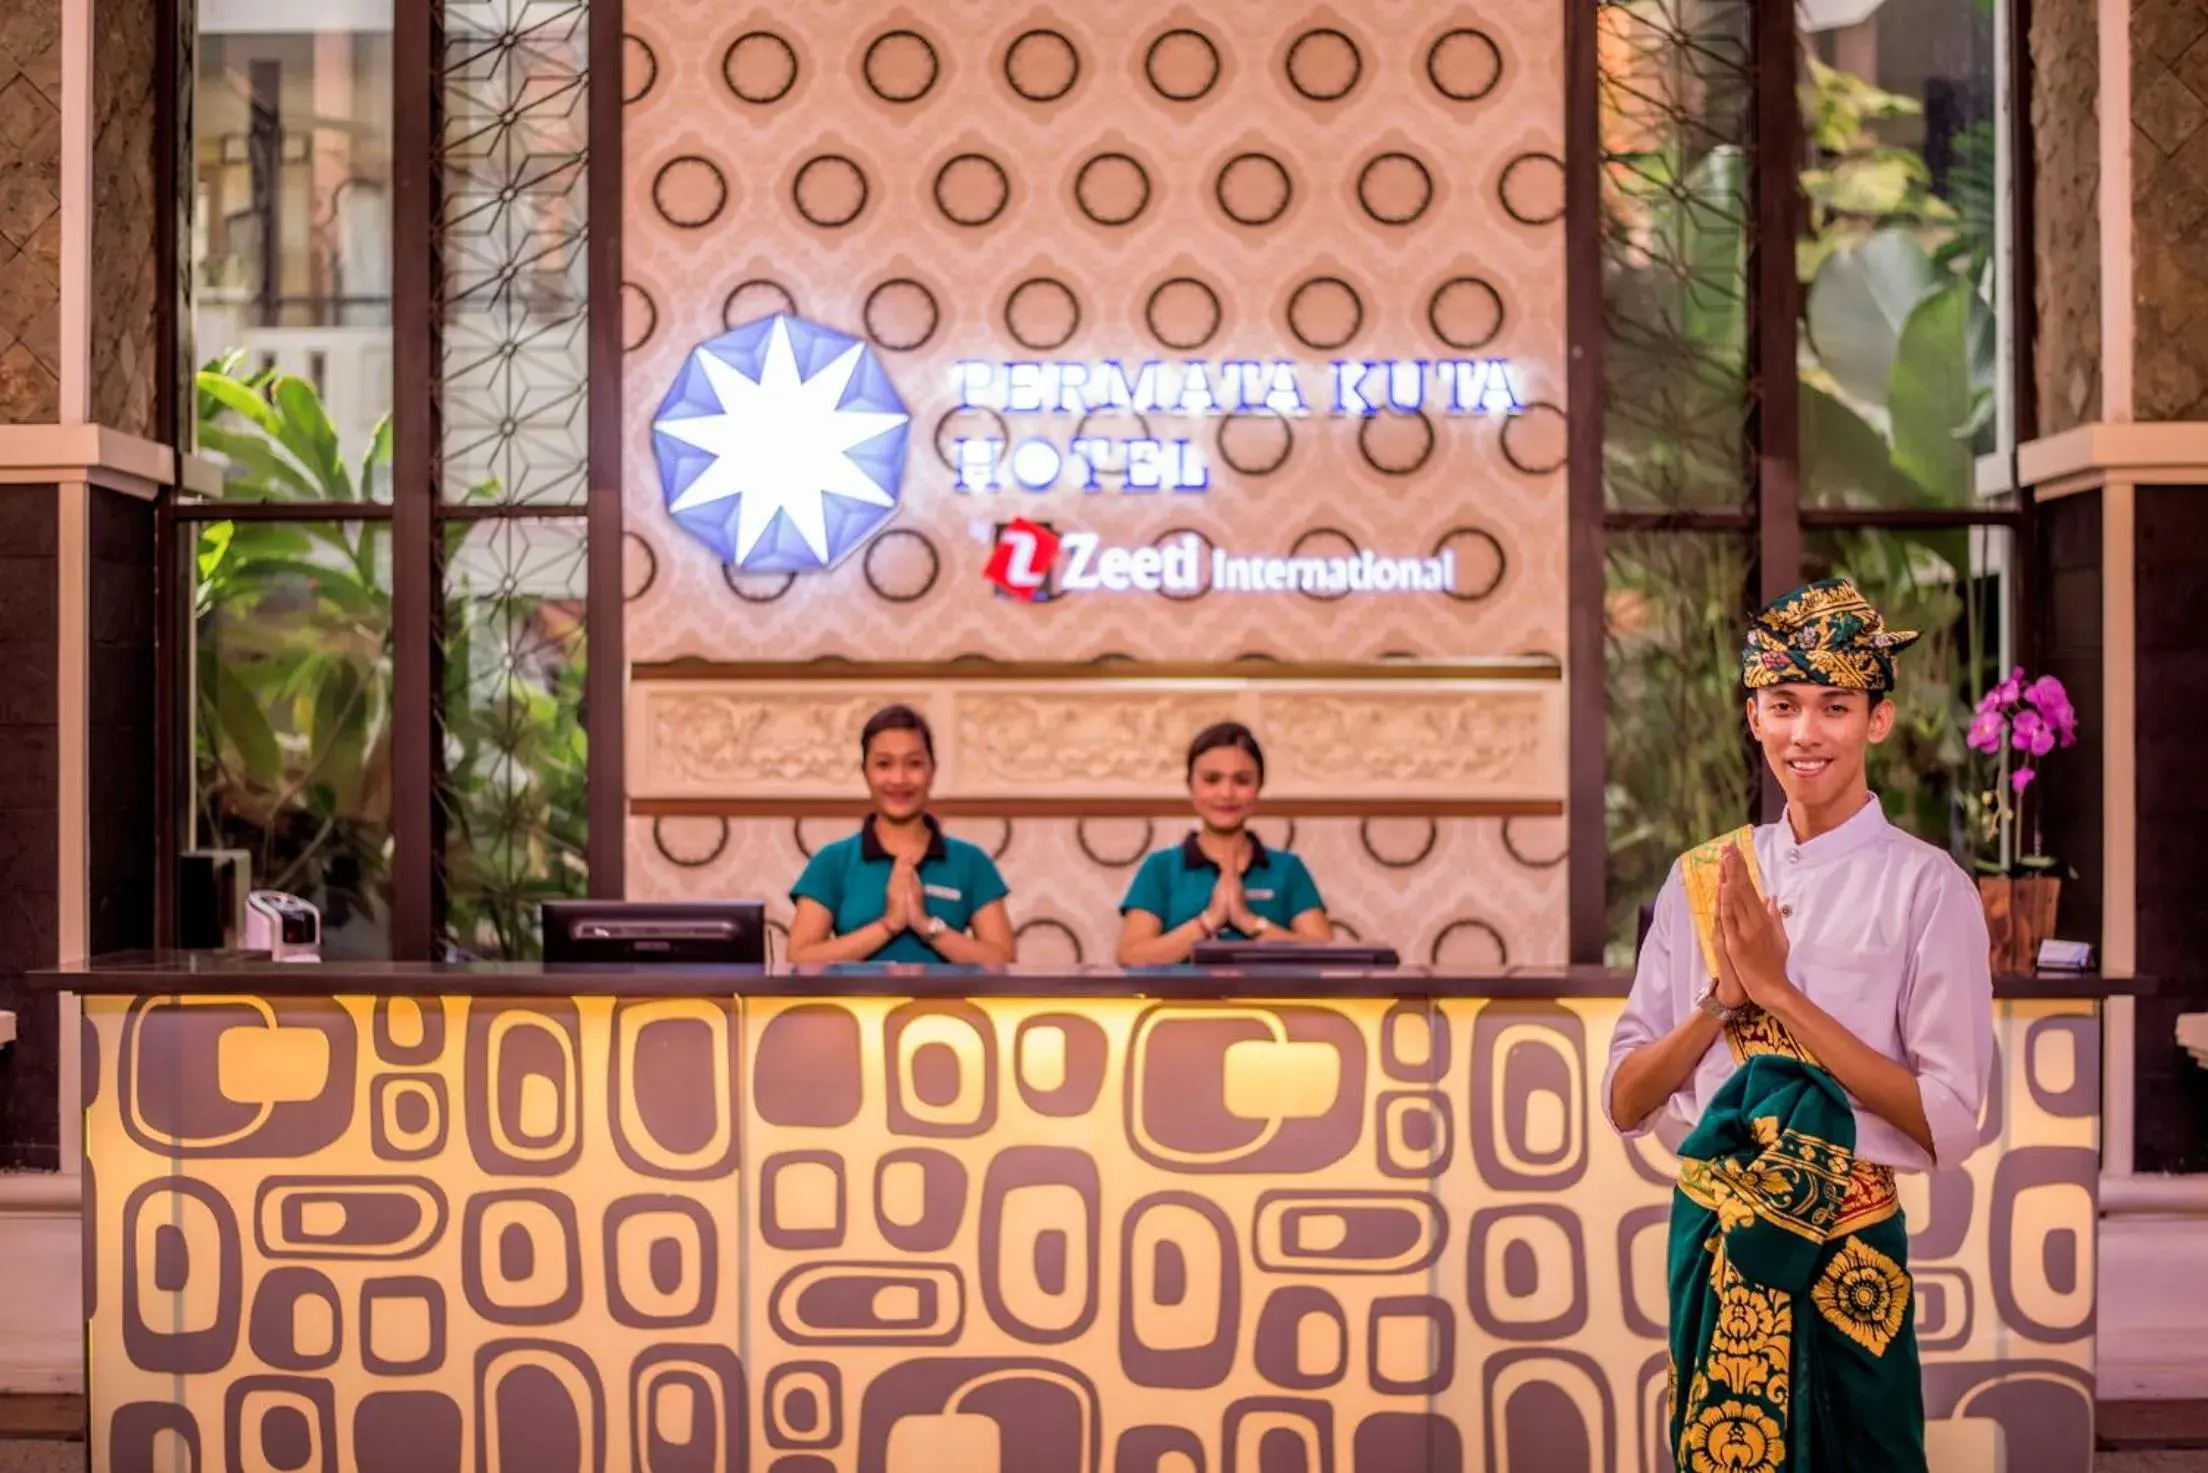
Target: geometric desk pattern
x=869, y=1235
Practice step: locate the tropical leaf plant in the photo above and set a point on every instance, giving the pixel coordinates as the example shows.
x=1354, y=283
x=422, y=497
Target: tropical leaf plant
x=292, y=727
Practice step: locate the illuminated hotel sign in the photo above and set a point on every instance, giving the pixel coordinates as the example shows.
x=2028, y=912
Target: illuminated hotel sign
x=1031, y=563
x=1345, y=388
x=781, y=445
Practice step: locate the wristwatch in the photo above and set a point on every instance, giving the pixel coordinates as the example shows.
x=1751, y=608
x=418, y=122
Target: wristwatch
x=1706, y=1000
x=1259, y=927
x=934, y=928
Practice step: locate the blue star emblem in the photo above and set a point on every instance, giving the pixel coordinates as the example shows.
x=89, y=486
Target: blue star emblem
x=781, y=445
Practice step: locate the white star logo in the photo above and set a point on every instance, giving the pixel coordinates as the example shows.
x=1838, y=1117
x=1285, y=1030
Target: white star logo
x=779, y=444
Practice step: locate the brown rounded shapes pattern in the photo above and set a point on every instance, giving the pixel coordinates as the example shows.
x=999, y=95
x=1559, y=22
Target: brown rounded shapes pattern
x=639, y=69
x=830, y=191
x=1395, y=443
x=1464, y=64
x=757, y=588
x=689, y=191
x=1041, y=65
x=759, y=67
x=1398, y=843
x=1114, y=843
x=1466, y=313
x=900, y=66
x=1323, y=542
x=1510, y=837
x=1183, y=313
x=748, y=301
x=691, y=842
x=1254, y=445
x=1254, y=189
x=901, y=565
x=1325, y=312
x=1048, y=942
x=1203, y=564
x=1478, y=550
x=1532, y=188
x=900, y=315
x=1324, y=65
x=639, y=317
x=1469, y=943
x=1112, y=188
x=1395, y=188
x=1182, y=65
x=1042, y=314
x=976, y=423
x=972, y=189
x=1535, y=440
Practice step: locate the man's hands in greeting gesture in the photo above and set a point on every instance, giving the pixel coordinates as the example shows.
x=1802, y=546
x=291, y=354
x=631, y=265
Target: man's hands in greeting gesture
x=1751, y=940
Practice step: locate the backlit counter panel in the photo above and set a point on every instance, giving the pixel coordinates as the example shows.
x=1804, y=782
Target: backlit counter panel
x=846, y=1234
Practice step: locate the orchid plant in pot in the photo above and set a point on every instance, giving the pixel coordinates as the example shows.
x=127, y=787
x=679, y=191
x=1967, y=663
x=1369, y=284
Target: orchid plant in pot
x=2019, y=722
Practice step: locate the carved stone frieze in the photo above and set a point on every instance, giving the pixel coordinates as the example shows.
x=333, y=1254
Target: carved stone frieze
x=1393, y=740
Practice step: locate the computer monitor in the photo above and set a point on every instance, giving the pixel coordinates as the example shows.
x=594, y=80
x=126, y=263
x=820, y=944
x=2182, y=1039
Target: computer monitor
x=1292, y=954
x=654, y=932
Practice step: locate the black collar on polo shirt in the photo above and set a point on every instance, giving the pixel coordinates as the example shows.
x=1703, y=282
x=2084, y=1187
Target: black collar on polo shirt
x=870, y=843
x=1194, y=857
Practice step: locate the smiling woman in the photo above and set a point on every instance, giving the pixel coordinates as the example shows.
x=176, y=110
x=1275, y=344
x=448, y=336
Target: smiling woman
x=900, y=889
x=1219, y=882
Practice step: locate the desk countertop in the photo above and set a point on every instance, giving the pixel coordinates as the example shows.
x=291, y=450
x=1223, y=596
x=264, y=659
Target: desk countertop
x=215, y=971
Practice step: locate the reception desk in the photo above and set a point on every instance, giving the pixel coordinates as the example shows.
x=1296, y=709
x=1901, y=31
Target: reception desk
x=416, y=1219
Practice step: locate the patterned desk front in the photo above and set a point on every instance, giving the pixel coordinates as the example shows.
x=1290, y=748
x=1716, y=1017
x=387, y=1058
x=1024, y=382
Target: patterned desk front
x=863, y=1236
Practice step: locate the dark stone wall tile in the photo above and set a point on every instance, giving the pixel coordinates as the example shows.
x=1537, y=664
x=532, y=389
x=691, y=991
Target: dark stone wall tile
x=122, y=529
x=124, y=695
x=27, y=693
x=30, y=1123
x=2171, y=569
x=121, y=685
x=2069, y=790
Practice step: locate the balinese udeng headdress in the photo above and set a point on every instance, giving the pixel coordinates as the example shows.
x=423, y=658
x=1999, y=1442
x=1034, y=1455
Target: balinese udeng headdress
x=1824, y=634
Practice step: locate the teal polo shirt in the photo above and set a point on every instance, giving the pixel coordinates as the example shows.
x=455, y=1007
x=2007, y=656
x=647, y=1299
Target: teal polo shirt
x=1175, y=885
x=851, y=878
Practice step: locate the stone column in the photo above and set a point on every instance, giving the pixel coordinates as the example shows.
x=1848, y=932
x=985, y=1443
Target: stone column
x=82, y=459
x=2120, y=361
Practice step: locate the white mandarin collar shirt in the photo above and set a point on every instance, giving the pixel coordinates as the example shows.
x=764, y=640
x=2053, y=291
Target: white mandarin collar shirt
x=1887, y=934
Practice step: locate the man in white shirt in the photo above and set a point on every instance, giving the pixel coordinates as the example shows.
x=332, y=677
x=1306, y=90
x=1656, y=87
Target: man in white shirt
x=1812, y=1011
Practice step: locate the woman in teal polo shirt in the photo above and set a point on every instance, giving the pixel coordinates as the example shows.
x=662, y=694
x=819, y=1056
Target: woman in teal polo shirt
x=900, y=889
x=1219, y=881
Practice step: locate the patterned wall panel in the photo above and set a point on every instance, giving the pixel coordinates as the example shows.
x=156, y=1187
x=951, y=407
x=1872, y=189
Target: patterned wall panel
x=1128, y=180
x=1434, y=741
x=823, y=1235
x=1402, y=881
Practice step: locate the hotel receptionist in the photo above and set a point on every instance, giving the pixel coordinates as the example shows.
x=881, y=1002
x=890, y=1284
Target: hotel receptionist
x=900, y=889
x=1220, y=881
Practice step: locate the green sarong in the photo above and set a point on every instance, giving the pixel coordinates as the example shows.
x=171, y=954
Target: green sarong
x=1793, y=1330
x=1793, y=1340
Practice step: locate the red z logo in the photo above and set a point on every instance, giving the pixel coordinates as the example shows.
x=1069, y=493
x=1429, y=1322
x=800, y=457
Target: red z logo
x=1021, y=561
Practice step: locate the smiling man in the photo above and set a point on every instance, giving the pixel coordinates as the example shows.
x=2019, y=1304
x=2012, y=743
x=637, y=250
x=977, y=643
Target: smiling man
x=1812, y=1012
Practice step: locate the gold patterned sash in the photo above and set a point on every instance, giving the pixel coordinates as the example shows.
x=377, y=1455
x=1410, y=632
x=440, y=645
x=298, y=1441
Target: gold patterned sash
x=1786, y=1184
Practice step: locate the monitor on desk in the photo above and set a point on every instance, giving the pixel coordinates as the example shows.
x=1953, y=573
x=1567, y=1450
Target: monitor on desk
x=650, y=932
x=1292, y=954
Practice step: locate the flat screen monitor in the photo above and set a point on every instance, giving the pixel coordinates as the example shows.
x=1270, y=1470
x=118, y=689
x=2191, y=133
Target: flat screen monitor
x=651, y=932
x=1273, y=955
